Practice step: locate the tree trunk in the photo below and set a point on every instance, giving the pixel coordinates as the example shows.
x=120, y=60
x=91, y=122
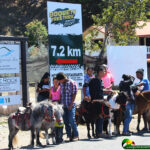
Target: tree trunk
x=101, y=59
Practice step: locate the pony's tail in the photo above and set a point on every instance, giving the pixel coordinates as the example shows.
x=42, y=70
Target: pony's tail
x=42, y=135
x=15, y=141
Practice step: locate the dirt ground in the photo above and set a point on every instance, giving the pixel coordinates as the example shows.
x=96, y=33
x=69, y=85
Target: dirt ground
x=24, y=137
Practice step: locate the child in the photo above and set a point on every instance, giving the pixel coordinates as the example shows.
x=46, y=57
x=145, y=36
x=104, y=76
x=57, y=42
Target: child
x=55, y=92
x=55, y=98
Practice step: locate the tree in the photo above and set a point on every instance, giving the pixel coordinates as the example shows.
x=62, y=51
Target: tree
x=37, y=33
x=120, y=19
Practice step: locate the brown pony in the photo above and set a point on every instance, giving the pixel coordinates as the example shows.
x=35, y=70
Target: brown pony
x=142, y=107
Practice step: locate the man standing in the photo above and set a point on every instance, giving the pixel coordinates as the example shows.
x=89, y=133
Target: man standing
x=68, y=89
x=97, y=92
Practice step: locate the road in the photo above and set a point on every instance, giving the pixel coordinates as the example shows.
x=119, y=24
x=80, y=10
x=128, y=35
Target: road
x=113, y=143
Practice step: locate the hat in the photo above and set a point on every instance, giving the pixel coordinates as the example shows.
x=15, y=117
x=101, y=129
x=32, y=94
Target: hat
x=141, y=71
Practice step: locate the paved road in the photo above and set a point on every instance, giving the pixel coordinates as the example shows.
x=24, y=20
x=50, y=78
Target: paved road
x=101, y=144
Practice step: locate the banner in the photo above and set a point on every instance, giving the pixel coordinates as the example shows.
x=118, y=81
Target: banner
x=9, y=84
x=9, y=58
x=10, y=100
x=126, y=60
x=65, y=41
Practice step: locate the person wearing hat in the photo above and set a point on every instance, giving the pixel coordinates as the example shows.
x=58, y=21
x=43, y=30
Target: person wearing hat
x=144, y=83
x=43, y=88
x=143, y=86
x=68, y=91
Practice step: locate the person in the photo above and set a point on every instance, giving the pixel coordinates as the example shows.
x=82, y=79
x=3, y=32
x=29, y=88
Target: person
x=97, y=92
x=108, y=79
x=144, y=83
x=68, y=94
x=43, y=88
x=143, y=86
x=54, y=96
x=125, y=86
x=55, y=92
x=87, y=78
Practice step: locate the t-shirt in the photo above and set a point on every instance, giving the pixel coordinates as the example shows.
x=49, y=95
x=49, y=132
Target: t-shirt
x=55, y=94
x=87, y=79
x=107, y=80
x=96, y=89
x=146, y=84
x=42, y=86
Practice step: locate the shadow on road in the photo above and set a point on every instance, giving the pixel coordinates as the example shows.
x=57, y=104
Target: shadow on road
x=29, y=147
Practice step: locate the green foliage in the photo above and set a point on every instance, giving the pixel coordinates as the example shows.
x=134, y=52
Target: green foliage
x=120, y=19
x=37, y=33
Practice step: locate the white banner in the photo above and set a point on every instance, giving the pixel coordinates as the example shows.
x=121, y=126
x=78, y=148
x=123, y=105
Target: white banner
x=9, y=58
x=10, y=100
x=9, y=84
x=126, y=60
x=75, y=73
x=64, y=18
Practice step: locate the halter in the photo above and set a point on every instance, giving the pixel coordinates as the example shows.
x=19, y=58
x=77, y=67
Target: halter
x=46, y=115
x=105, y=116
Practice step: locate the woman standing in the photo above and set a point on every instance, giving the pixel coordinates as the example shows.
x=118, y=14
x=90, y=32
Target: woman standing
x=43, y=88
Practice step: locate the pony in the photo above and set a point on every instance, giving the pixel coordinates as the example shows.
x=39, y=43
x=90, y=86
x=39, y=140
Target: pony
x=142, y=104
x=142, y=107
x=91, y=111
x=117, y=110
x=47, y=123
x=29, y=118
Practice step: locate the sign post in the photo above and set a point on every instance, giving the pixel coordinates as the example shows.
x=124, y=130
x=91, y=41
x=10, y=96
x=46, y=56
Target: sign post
x=65, y=40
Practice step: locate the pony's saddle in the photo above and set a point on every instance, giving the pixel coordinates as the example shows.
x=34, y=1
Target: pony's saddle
x=22, y=116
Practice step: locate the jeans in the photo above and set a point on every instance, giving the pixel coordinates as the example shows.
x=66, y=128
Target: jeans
x=70, y=123
x=59, y=134
x=99, y=126
x=128, y=117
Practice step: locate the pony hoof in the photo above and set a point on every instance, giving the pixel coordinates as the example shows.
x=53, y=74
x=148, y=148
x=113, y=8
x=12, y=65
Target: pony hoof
x=39, y=144
x=54, y=142
x=89, y=137
x=144, y=129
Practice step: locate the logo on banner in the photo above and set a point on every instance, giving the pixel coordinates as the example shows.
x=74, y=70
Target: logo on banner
x=129, y=144
x=65, y=17
x=4, y=51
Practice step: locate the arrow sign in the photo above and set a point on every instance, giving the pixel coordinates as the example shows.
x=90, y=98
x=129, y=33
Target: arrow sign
x=66, y=61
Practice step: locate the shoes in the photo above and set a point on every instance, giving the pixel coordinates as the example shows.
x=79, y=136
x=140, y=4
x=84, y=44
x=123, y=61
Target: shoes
x=75, y=138
x=126, y=134
x=68, y=139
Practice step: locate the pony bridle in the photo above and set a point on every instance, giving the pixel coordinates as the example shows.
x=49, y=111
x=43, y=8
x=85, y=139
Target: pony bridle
x=57, y=120
x=47, y=117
